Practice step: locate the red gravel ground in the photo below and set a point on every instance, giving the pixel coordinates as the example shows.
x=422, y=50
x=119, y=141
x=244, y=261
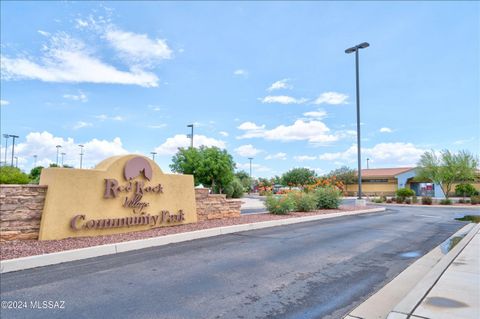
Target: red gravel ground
x=23, y=248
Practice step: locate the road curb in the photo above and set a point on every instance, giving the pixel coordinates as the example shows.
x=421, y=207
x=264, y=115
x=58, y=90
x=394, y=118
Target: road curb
x=109, y=249
x=411, y=285
x=426, y=206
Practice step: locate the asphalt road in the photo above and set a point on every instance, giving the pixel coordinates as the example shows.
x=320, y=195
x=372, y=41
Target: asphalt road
x=318, y=269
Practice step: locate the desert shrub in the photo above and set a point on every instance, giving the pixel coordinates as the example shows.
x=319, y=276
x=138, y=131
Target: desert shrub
x=465, y=190
x=446, y=201
x=304, y=202
x=328, y=198
x=378, y=200
x=12, y=175
x=389, y=201
x=461, y=201
x=408, y=201
x=414, y=199
x=405, y=192
x=475, y=200
x=279, y=205
x=426, y=200
x=399, y=199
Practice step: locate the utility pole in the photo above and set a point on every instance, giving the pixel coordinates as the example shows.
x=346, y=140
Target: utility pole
x=367, y=163
x=190, y=135
x=34, y=161
x=6, y=136
x=13, y=145
x=63, y=154
x=153, y=155
x=58, y=148
x=81, y=155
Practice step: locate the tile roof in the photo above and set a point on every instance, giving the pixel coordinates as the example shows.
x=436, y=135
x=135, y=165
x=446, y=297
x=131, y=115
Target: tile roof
x=385, y=172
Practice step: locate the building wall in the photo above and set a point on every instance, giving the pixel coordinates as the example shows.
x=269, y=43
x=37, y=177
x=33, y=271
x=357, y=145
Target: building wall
x=374, y=189
x=21, y=209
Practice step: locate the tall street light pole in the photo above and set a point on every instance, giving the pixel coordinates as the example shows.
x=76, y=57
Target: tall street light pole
x=58, y=148
x=63, y=154
x=357, y=75
x=153, y=155
x=13, y=145
x=6, y=136
x=368, y=167
x=34, y=161
x=81, y=155
x=251, y=181
x=190, y=135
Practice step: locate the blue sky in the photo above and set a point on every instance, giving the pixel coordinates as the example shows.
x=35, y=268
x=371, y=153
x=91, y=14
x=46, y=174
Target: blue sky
x=268, y=80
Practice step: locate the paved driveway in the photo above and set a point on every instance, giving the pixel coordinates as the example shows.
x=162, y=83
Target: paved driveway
x=318, y=269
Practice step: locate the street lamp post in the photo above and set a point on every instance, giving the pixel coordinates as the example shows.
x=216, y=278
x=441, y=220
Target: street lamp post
x=368, y=167
x=34, y=161
x=81, y=155
x=13, y=145
x=63, y=154
x=6, y=136
x=58, y=148
x=251, y=181
x=153, y=155
x=357, y=77
x=190, y=135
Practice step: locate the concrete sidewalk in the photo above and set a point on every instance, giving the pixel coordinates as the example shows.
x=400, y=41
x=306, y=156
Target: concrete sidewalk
x=457, y=293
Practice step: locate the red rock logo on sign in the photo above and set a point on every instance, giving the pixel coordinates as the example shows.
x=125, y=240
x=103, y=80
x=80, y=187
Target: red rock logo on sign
x=137, y=166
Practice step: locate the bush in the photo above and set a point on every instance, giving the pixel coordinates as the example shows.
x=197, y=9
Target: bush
x=304, y=202
x=461, y=201
x=405, y=192
x=389, y=201
x=12, y=175
x=234, y=189
x=446, y=201
x=408, y=201
x=426, y=200
x=279, y=205
x=399, y=199
x=475, y=200
x=378, y=200
x=465, y=190
x=328, y=198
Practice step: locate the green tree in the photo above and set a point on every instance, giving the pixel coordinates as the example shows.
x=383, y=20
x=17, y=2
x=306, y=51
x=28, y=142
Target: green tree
x=344, y=174
x=298, y=177
x=447, y=168
x=210, y=166
x=34, y=175
x=244, y=178
x=12, y=175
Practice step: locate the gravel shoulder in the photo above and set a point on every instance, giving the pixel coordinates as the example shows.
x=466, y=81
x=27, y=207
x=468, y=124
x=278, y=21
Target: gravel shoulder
x=24, y=248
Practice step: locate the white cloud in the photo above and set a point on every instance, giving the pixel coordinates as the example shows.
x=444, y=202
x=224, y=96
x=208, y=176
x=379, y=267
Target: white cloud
x=104, y=117
x=155, y=108
x=81, y=23
x=81, y=96
x=255, y=167
x=334, y=98
x=320, y=114
x=44, y=33
x=303, y=158
x=4, y=102
x=385, y=130
x=172, y=144
x=247, y=150
x=81, y=124
x=283, y=99
x=138, y=49
x=157, y=126
x=382, y=154
x=282, y=84
x=315, y=132
x=278, y=156
x=223, y=133
x=241, y=72
x=44, y=146
x=67, y=60
x=250, y=126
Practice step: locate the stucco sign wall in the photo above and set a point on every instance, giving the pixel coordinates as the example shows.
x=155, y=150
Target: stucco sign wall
x=122, y=194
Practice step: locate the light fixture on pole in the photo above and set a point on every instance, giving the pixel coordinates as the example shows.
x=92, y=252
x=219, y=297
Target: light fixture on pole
x=81, y=155
x=34, y=160
x=13, y=145
x=58, y=148
x=190, y=135
x=153, y=155
x=357, y=77
x=6, y=136
x=63, y=154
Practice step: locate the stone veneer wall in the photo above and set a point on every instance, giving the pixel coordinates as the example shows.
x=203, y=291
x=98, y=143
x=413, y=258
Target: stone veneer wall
x=21, y=209
x=215, y=206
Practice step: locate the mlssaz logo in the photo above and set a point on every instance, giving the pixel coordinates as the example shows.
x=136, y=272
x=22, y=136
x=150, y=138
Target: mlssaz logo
x=137, y=166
